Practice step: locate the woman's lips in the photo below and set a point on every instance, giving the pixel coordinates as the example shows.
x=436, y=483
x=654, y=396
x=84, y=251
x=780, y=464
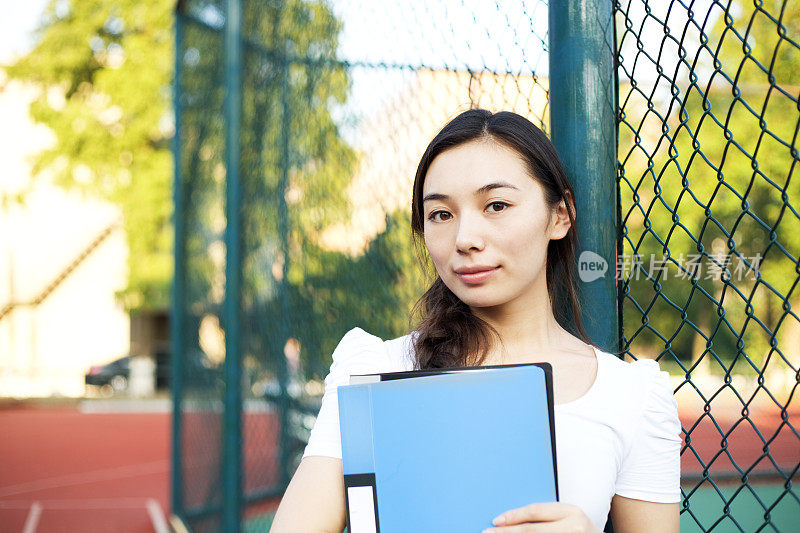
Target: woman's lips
x=477, y=277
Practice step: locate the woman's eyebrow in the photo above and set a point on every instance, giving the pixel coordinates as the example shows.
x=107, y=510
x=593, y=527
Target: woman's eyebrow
x=486, y=188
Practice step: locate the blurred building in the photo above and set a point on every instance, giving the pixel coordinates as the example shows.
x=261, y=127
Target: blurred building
x=392, y=138
x=62, y=258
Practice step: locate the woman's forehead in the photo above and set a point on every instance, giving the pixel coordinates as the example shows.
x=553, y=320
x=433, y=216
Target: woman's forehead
x=474, y=164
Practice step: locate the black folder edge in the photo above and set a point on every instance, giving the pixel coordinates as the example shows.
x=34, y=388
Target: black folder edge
x=363, y=480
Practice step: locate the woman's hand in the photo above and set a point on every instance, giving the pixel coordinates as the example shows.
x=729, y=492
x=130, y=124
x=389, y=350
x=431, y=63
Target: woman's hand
x=544, y=517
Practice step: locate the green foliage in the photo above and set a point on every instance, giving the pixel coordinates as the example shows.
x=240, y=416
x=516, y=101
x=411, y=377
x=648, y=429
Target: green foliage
x=374, y=291
x=721, y=183
x=295, y=174
x=104, y=68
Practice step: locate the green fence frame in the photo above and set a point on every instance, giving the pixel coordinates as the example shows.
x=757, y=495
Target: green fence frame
x=585, y=118
x=583, y=130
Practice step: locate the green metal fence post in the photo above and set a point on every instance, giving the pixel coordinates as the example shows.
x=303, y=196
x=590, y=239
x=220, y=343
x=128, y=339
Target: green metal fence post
x=284, y=327
x=232, y=436
x=583, y=130
x=177, y=342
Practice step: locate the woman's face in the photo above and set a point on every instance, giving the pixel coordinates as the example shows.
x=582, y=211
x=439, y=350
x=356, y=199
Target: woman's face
x=487, y=226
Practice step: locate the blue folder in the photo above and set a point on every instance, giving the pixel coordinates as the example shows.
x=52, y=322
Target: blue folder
x=447, y=450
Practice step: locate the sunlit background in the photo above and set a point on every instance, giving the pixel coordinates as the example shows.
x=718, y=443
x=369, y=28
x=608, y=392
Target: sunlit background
x=101, y=154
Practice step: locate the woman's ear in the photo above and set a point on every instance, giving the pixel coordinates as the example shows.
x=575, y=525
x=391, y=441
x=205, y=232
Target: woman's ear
x=561, y=222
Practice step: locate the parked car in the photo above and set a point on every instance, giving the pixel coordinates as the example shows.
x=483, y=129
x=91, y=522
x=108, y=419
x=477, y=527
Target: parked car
x=271, y=388
x=112, y=377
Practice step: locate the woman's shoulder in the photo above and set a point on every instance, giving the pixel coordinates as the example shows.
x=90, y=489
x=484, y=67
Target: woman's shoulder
x=632, y=371
x=646, y=419
x=401, y=349
x=362, y=352
x=639, y=384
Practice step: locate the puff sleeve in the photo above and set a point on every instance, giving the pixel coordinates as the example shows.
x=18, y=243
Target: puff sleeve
x=358, y=352
x=651, y=469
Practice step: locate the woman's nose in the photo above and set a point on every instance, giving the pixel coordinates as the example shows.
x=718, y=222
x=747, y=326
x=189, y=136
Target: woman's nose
x=470, y=235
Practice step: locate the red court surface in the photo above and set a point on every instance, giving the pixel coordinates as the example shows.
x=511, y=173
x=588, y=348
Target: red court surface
x=65, y=471
x=62, y=470
x=729, y=441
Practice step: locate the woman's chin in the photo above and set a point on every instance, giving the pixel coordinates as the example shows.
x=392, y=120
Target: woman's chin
x=476, y=301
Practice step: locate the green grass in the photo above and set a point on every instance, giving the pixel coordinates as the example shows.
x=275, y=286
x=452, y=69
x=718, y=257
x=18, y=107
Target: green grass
x=708, y=507
x=258, y=524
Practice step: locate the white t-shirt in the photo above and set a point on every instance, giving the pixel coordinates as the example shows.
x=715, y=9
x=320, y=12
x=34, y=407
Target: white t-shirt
x=621, y=437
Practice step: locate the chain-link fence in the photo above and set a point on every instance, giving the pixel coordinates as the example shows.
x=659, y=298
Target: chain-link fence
x=338, y=100
x=292, y=220
x=708, y=169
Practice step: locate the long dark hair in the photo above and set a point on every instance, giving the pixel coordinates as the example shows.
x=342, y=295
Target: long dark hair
x=448, y=333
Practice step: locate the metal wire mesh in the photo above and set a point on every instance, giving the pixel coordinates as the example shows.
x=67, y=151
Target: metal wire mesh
x=339, y=100
x=708, y=120
x=201, y=160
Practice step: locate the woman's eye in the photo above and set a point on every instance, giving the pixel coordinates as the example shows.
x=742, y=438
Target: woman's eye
x=433, y=215
x=502, y=205
x=441, y=216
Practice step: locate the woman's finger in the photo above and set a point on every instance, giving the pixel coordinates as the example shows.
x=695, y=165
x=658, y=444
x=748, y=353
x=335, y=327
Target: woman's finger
x=541, y=527
x=535, y=512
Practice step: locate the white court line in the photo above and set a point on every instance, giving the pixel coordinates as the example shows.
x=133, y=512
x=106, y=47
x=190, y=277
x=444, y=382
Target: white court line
x=33, y=518
x=177, y=524
x=80, y=503
x=90, y=407
x=157, y=516
x=155, y=467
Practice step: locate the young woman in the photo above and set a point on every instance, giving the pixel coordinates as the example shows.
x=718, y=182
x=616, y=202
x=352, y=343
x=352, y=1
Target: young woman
x=496, y=213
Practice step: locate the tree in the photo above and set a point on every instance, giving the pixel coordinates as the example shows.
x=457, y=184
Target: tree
x=295, y=170
x=724, y=166
x=104, y=69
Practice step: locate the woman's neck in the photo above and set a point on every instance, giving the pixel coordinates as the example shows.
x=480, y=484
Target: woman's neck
x=526, y=336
